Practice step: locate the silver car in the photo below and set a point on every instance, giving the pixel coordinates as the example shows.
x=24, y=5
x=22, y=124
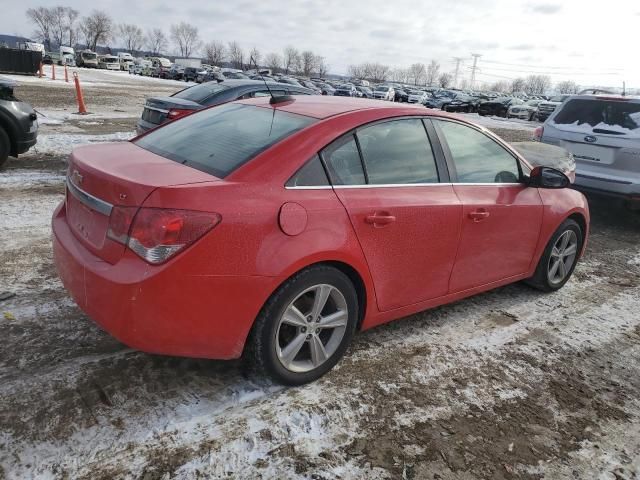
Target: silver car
x=603, y=134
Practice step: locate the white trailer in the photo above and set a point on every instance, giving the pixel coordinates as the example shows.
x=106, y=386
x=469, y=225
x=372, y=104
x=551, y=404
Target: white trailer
x=189, y=62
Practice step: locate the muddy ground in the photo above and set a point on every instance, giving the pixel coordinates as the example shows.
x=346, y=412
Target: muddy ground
x=510, y=384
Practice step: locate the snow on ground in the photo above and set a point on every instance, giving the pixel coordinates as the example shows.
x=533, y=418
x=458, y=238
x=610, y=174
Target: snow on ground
x=91, y=77
x=502, y=123
x=63, y=143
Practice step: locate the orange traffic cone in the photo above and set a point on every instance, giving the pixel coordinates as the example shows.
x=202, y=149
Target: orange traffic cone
x=66, y=74
x=82, y=109
x=53, y=71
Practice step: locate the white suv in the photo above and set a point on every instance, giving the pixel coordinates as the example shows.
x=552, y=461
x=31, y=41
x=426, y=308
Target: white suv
x=603, y=134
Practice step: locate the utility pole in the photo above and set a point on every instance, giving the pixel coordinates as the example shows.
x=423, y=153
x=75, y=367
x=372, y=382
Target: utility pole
x=458, y=60
x=474, y=69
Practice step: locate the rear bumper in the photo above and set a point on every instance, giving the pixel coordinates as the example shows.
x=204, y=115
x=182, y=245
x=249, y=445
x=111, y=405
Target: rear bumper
x=163, y=309
x=606, y=184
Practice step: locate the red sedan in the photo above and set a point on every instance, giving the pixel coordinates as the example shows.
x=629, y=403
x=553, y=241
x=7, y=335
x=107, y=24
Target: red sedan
x=275, y=230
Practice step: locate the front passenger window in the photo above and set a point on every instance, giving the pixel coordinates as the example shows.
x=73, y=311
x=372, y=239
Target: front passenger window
x=478, y=158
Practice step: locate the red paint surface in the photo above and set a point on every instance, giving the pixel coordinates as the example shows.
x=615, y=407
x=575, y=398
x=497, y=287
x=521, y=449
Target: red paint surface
x=203, y=301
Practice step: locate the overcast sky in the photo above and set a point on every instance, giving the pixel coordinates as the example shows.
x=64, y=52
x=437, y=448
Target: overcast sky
x=570, y=39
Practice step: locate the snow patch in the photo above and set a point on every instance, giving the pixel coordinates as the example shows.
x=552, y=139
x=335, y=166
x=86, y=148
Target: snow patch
x=64, y=143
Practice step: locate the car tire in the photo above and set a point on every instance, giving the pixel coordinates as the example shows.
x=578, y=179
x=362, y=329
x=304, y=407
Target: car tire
x=283, y=350
x=5, y=146
x=556, y=265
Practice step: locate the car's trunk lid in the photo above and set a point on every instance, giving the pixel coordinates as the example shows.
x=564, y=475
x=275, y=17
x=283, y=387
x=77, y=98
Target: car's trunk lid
x=119, y=174
x=156, y=109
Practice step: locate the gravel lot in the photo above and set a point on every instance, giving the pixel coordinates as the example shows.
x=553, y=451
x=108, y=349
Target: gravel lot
x=508, y=384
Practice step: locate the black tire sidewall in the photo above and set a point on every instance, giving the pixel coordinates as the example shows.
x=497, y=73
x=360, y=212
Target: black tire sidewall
x=264, y=338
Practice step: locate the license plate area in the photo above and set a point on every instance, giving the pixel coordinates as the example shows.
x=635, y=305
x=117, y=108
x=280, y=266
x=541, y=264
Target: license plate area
x=591, y=153
x=88, y=225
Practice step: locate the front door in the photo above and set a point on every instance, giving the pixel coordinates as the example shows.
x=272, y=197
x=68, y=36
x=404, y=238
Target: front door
x=501, y=216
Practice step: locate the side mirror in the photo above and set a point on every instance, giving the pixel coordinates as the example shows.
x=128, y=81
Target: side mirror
x=547, y=177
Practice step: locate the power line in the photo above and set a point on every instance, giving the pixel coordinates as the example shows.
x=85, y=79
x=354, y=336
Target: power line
x=572, y=72
x=535, y=66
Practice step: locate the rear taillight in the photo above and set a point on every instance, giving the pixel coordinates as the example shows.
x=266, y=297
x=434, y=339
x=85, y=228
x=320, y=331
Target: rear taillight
x=157, y=234
x=537, y=133
x=178, y=112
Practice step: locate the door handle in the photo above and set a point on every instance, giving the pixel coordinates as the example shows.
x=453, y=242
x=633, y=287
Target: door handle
x=479, y=215
x=379, y=219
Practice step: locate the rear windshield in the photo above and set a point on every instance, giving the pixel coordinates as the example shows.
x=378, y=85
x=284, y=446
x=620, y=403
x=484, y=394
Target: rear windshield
x=199, y=93
x=601, y=116
x=218, y=140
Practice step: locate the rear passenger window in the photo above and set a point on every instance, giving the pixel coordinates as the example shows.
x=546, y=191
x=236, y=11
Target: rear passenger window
x=397, y=152
x=343, y=162
x=478, y=158
x=312, y=174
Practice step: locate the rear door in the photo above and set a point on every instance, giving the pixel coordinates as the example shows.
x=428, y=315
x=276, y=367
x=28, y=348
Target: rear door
x=388, y=178
x=501, y=216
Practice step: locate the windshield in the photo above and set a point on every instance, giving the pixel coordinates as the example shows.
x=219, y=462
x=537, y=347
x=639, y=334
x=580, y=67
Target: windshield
x=382, y=89
x=600, y=116
x=503, y=99
x=200, y=92
x=218, y=140
x=89, y=56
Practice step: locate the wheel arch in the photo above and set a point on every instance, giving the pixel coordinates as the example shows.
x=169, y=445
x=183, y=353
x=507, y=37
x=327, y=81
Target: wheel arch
x=350, y=271
x=8, y=126
x=581, y=220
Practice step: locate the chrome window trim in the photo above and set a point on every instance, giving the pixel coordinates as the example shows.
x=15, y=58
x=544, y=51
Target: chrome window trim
x=404, y=185
x=89, y=200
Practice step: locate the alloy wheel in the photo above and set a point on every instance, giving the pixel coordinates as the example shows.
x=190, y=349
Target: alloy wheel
x=311, y=328
x=562, y=257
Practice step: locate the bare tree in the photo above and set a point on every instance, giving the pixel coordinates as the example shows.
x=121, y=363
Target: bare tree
x=131, y=36
x=400, y=75
x=273, y=61
x=445, y=79
x=357, y=71
x=307, y=62
x=58, y=24
x=96, y=28
x=321, y=66
x=517, y=85
x=215, y=53
x=376, y=72
x=537, y=84
x=41, y=18
x=236, y=54
x=72, y=16
x=567, y=87
x=500, y=86
x=255, y=57
x=291, y=59
x=156, y=41
x=186, y=38
x=432, y=73
x=417, y=72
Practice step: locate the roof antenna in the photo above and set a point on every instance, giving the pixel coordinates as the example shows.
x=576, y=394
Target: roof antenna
x=274, y=100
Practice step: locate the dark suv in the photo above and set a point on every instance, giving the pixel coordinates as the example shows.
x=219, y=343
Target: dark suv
x=18, y=123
